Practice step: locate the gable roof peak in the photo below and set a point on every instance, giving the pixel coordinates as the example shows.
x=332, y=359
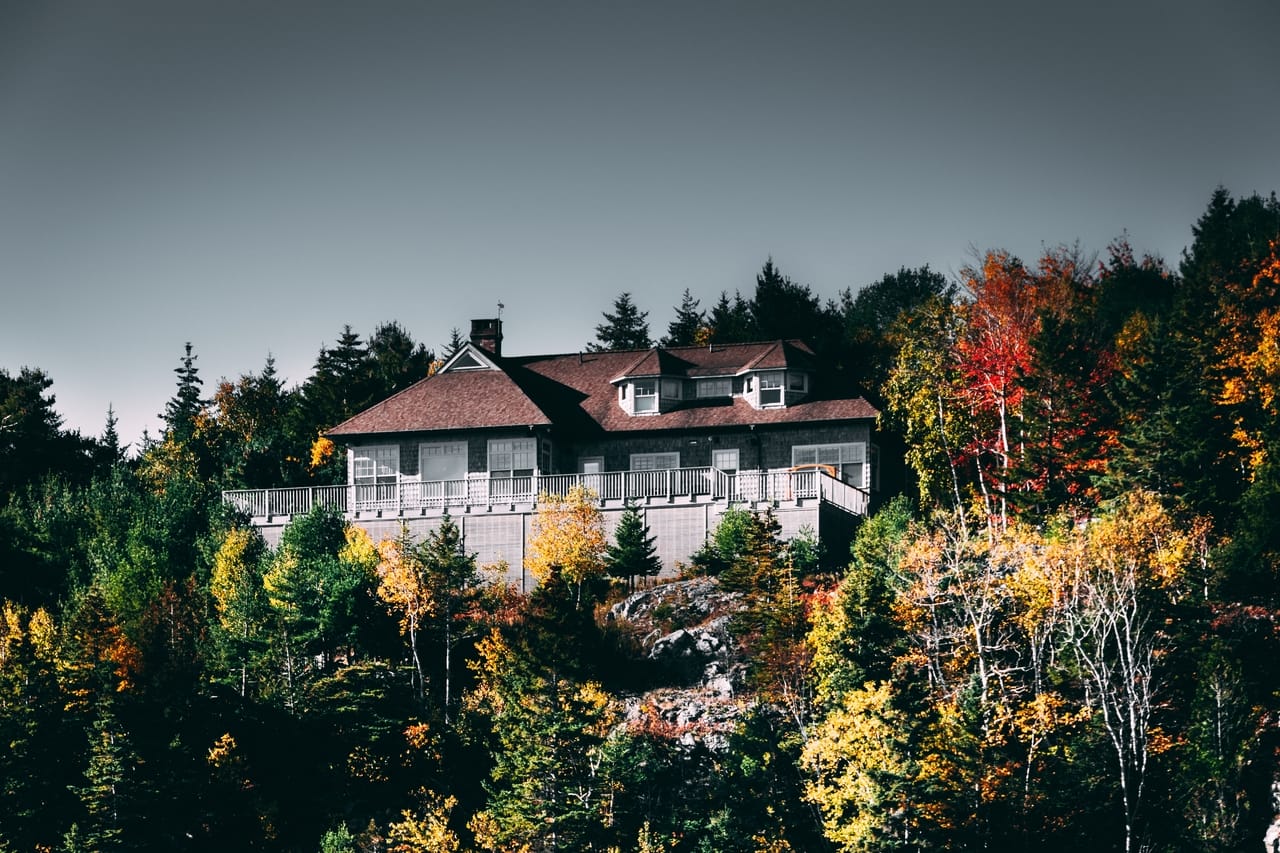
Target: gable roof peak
x=470, y=357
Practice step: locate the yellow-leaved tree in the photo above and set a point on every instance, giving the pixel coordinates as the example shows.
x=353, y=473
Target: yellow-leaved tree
x=568, y=536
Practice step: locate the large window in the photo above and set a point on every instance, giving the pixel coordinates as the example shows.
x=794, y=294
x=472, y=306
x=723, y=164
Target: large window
x=848, y=460
x=654, y=461
x=672, y=389
x=512, y=457
x=725, y=460
x=715, y=387
x=443, y=460
x=377, y=465
x=646, y=396
x=771, y=389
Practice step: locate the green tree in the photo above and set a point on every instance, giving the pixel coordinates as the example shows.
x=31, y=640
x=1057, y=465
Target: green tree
x=784, y=309
x=730, y=320
x=109, y=792
x=626, y=328
x=545, y=790
x=689, y=320
x=434, y=586
x=240, y=600
x=855, y=639
x=395, y=361
x=32, y=442
x=727, y=543
x=186, y=405
x=456, y=342
x=633, y=553
x=322, y=597
x=254, y=448
x=872, y=318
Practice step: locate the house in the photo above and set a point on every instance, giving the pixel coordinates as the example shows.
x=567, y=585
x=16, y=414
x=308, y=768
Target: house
x=684, y=432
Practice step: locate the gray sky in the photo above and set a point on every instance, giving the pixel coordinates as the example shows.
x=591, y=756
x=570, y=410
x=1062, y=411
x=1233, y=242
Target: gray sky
x=249, y=176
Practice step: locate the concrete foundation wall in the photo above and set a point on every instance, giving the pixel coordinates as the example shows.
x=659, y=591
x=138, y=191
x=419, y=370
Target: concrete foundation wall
x=679, y=529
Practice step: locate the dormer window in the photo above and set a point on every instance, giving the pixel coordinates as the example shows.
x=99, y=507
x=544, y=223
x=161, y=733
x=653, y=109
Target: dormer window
x=646, y=396
x=797, y=382
x=771, y=389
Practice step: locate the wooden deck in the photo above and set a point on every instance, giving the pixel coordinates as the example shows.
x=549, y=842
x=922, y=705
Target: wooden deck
x=512, y=494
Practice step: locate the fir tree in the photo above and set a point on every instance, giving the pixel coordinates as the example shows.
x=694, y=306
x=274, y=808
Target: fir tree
x=689, y=319
x=181, y=410
x=633, y=553
x=626, y=328
x=456, y=342
x=730, y=320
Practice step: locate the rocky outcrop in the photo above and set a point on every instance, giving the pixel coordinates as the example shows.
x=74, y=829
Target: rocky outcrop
x=682, y=628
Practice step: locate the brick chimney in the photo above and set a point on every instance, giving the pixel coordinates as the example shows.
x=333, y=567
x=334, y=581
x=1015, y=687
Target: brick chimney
x=487, y=335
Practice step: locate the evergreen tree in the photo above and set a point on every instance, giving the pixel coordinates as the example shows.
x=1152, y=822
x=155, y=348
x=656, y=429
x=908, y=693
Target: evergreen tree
x=109, y=792
x=683, y=330
x=32, y=442
x=626, y=328
x=632, y=553
x=395, y=361
x=871, y=340
x=109, y=451
x=456, y=342
x=730, y=320
x=181, y=410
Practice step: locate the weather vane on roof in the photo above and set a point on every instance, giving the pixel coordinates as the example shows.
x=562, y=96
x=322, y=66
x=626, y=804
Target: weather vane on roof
x=500, y=307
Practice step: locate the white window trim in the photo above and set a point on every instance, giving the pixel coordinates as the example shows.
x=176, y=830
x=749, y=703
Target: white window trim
x=845, y=453
x=375, y=464
x=773, y=381
x=641, y=461
x=644, y=389
x=501, y=460
x=716, y=463
x=450, y=448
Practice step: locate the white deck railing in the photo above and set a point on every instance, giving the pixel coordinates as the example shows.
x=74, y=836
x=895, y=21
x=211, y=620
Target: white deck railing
x=693, y=484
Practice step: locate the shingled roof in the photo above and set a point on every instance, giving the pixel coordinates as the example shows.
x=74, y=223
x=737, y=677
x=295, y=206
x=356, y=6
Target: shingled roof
x=577, y=391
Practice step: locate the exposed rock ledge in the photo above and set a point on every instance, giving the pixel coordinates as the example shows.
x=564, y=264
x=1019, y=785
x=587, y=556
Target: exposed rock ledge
x=683, y=626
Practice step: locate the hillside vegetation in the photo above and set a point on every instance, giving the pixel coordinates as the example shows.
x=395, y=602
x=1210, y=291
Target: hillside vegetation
x=1061, y=635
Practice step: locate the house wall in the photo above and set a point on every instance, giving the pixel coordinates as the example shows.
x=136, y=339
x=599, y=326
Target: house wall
x=477, y=448
x=766, y=447
x=761, y=448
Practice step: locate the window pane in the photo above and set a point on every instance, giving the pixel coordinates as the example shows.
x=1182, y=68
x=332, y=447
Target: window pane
x=715, y=388
x=725, y=460
x=654, y=461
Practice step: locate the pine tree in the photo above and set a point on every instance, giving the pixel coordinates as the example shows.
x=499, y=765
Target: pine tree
x=689, y=320
x=626, y=328
x=633, y=553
